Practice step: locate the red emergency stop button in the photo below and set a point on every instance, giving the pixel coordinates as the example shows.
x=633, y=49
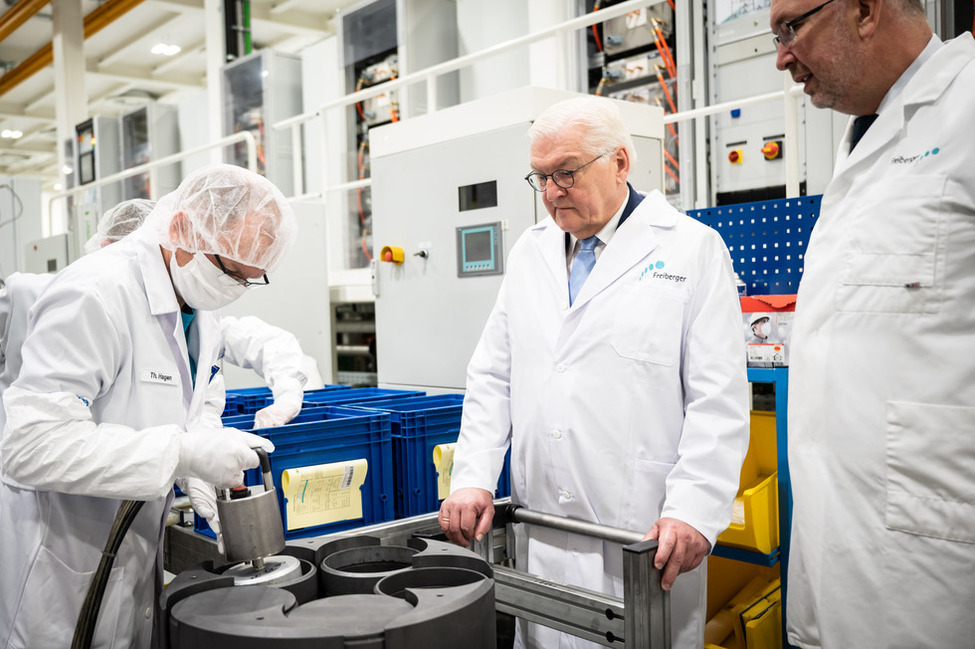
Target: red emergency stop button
x=392, y=254
x=734, y=156
x=772, y=150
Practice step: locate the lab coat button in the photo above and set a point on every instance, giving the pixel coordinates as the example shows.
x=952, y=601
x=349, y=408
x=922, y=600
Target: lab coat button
x=557, y=434
x=561, y=367
x=148, y=612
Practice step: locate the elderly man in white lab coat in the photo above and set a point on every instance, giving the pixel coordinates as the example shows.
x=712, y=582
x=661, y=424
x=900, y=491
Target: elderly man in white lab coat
x=108, y=403
x=882, y=396
x=622, y=395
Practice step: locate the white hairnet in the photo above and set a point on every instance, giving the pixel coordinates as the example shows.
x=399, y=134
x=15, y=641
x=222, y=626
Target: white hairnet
x=228, y=211
x=118, y=222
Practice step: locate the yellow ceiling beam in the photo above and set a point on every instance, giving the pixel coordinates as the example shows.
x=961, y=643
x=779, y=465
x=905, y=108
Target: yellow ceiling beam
x=95, y=21
x=18, y=14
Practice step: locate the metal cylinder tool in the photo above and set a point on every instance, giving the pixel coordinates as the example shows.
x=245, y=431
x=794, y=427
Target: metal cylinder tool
x=251, y=519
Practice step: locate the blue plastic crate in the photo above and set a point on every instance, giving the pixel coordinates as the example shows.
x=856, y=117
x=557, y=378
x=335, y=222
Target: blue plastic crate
x=325, y=436
x=355, y=396
x=246, y=422
x=419, y=425
x=247, y=401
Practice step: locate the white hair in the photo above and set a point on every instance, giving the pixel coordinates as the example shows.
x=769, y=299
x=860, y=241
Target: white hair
x=600, y=116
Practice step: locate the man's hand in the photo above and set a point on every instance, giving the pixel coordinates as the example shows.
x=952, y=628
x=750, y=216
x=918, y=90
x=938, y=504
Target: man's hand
x=466, y=515
x=680, y=548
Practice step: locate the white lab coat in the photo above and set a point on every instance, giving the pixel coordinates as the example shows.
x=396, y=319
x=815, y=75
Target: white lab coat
x=625, y=407
x=104, y=392
x=882, y=385
x=16, y=298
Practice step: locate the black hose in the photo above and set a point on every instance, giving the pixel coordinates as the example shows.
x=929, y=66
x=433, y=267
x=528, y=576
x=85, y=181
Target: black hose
x=84, y=630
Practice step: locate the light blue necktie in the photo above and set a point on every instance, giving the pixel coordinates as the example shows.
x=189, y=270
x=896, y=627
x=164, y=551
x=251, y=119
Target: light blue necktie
x=582, y=266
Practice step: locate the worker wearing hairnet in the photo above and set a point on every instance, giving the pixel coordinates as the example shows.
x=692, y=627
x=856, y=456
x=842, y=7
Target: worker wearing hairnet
x=248, y=342
x=119, y=222
x=108, y=405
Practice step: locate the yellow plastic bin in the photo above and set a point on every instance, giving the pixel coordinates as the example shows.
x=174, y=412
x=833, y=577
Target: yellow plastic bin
x=755, y=521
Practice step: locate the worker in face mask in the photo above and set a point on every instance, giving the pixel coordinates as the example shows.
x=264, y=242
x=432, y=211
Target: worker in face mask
x=108, y=405
x=248, y=342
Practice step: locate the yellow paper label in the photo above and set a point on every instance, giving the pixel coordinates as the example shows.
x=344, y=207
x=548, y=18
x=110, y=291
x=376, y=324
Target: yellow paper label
x=325, y=493
x=443, y=459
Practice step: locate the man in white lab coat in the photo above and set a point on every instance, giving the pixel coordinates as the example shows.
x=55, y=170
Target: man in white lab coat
x=622, y=395
x=108, y=403
x=882, y=396
x=248, y=342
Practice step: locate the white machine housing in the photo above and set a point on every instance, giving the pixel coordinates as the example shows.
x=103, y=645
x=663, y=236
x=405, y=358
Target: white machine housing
x=431, y=308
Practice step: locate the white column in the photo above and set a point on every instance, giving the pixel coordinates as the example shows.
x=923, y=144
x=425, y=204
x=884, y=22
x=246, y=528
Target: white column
x=555, y=62
x=216, y=52
x=70, y=99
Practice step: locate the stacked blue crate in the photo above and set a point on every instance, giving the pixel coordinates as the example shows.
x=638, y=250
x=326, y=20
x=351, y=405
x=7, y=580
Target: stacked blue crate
x=355, y=396
x=327, y=435
x=247, y=401
x=419, y=425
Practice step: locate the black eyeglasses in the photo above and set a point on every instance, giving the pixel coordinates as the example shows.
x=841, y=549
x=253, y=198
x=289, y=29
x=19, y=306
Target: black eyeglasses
x=785, y=34
x=240, y=280
x=561, y=177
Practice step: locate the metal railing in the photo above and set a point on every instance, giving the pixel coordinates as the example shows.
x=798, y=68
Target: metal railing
x=243, y=136
x=430, y=76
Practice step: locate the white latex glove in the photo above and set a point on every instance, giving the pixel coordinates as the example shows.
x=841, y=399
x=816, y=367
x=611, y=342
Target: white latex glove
x=219, y=456
x=203, y=498
x=280, y=412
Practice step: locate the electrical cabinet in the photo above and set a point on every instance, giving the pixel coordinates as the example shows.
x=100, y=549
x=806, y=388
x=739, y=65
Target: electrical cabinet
x=97, y=156
x=148, y=133
x=259, y=90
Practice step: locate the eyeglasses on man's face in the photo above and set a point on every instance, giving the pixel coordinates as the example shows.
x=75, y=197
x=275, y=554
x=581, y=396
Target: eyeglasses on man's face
x=785, y=33
x=564, y=178
x=264, y=281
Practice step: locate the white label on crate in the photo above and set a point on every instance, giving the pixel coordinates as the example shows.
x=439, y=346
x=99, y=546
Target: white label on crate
x=773, y=354
x=322, y=494
x=443, y=460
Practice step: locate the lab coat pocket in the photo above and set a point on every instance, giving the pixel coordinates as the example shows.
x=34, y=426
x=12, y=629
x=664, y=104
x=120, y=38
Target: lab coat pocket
x=52, y=600
x=647, y=323
x=647, y=495
x=894, y=263
x=930, y=482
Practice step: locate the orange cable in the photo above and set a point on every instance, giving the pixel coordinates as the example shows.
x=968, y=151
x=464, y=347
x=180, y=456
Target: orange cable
x=672, y=160
x=671, y=174
x=670, y=98
x=595, y=32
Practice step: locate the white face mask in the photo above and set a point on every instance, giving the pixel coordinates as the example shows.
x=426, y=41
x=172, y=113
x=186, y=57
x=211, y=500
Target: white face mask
x=203, y=285
x=766, y=329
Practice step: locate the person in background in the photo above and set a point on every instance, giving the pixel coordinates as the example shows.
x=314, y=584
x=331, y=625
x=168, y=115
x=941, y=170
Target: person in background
x=108, y=405
x=881, y=390
x=612, y=366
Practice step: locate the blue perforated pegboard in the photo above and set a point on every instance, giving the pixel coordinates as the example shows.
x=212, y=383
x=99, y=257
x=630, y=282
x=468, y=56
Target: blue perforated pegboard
x=767, y=240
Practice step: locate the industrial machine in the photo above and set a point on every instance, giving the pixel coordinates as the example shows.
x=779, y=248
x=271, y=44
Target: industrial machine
x=400, y=585
x=449, y=202
x=96, y=157
x=259, y=90
x=149, y=132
